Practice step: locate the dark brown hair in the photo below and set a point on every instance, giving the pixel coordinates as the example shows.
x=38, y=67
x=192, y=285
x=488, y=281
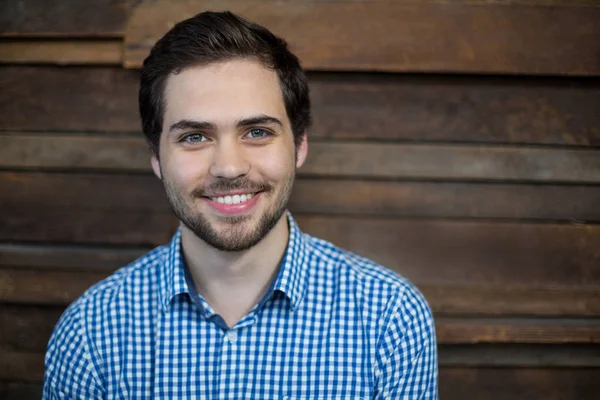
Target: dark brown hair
x=212, y=37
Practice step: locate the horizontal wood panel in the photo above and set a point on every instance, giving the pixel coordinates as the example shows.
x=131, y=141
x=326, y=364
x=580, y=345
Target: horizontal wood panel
x=34, y=194
x=525, y=384
x=28, y=328
x=48, y=287
x=447, y=200
x=426, y=251
x=362, y=160
x=452, y=162
x=454, y=383
x=347, y=106
x=513, y=330
x=425, y=37
x=451, y=252
x=53, y=257
x=107, y=52
x=511, y=355
x=92, y=18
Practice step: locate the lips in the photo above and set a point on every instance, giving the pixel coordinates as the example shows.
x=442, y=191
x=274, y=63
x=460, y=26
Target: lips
x=233, y=204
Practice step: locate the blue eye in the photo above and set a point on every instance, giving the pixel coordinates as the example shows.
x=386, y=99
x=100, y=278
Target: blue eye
x=194, y=138
x=257, y=133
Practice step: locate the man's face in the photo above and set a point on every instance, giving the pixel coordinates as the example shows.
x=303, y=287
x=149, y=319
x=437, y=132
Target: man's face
x=227, y=154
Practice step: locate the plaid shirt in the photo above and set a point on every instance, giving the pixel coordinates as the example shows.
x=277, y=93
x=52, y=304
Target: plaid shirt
x=332, y=326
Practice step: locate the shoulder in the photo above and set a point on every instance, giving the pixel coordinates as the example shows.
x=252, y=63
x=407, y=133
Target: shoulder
x=137, y=273
x=395, y=299
x=99, y=298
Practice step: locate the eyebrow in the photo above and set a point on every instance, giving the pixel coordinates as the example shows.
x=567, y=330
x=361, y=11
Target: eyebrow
x=186, y=124
x=258, y=120
x=191, y=124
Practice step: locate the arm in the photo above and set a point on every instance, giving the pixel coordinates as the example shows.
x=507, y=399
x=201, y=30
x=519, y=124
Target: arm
x=70, y=372
x=406, y=365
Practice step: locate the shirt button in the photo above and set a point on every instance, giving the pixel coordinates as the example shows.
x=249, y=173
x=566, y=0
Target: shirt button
x=231, y=336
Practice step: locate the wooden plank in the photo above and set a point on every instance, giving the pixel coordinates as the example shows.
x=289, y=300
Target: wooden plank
x=92, y=18
x=28, y=286
x=405, y=161
x=359, y=160
x=424, y=37
x=525, y=300
x=517, y=330
x=444, y=253
x=54, y=287
x=105, y=52
x=345, y=106
x=455, y=383
x=455, y=109
x=445, y=200
x=23, y=366
x=88, y=208
x=519, y=355
x=20, y=391
x=74, y=98
x=28, y=328
x=519, y=383
x=34, y=194
x=56, y=257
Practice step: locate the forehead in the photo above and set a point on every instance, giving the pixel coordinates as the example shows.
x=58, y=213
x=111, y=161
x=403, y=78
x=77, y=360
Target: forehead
x=223, y=92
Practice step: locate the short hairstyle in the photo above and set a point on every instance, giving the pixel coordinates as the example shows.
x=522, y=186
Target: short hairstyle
x=214, y=37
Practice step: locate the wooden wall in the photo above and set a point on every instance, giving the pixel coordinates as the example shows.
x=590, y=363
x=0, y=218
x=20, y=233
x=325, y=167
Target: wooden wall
x=456, y=142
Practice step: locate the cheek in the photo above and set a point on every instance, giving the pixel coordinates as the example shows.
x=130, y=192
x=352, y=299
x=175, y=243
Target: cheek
x=185, y=172
x=276, y=165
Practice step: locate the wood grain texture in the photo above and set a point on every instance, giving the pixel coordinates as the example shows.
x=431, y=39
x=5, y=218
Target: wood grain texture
x=28, y=328
x=433, y=252
x=34, y=193
x=513, y=330
x=424, y=37
x=325, y=159
x=453, y=252
x=60, y=288
x=404, y=161
x=515, y=355
x=517, y=383
x=455, y=383
x=345, y=106
x=446, y=200
x=61, y=52
x=72, y=18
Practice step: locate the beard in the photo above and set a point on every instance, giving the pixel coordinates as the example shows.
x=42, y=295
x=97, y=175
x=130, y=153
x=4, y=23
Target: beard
x=237, y=235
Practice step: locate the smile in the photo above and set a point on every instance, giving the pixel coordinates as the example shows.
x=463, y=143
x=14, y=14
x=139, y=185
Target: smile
x=235, y=199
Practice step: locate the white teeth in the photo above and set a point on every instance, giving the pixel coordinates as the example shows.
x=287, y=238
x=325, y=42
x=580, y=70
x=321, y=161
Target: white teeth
x=235, y=199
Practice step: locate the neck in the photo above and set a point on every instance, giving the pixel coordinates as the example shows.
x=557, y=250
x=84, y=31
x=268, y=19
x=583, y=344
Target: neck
x=247, y=274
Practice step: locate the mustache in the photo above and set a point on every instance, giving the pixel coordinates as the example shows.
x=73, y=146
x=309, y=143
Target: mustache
x=228, y=185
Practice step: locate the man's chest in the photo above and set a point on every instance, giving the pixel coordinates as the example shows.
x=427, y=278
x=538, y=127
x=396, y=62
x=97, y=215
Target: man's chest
x=272, y=355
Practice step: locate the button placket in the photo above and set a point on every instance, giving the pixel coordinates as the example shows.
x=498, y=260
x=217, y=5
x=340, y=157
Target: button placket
x=231, y=336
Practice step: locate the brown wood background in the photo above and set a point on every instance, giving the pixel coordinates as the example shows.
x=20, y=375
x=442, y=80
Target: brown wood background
x=457, y=142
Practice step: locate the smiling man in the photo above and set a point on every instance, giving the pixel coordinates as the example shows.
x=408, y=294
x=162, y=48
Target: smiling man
x=241, y=304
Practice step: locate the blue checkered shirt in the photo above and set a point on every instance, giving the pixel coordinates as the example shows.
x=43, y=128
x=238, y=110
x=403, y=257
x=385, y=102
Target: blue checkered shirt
x=333, y=325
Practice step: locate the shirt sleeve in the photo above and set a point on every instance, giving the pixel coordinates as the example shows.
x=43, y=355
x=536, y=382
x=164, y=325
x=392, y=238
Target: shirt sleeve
x=70, y=371
x=406, y=366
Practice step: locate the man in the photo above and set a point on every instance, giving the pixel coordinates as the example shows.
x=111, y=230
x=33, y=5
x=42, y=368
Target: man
x=241, y=304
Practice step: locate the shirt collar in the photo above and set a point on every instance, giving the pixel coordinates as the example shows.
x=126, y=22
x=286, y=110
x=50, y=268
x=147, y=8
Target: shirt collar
x=291, y=279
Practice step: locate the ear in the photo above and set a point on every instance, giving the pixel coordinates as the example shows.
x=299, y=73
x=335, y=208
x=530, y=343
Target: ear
x=156, y=166
x=302, y=151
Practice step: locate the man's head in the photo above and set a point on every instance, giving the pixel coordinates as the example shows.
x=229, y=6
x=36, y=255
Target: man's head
x=225, y=109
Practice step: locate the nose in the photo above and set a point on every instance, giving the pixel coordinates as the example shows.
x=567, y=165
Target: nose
x=229, y=160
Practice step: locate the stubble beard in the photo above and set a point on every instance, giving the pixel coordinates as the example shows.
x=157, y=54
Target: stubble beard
x=236, y=236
